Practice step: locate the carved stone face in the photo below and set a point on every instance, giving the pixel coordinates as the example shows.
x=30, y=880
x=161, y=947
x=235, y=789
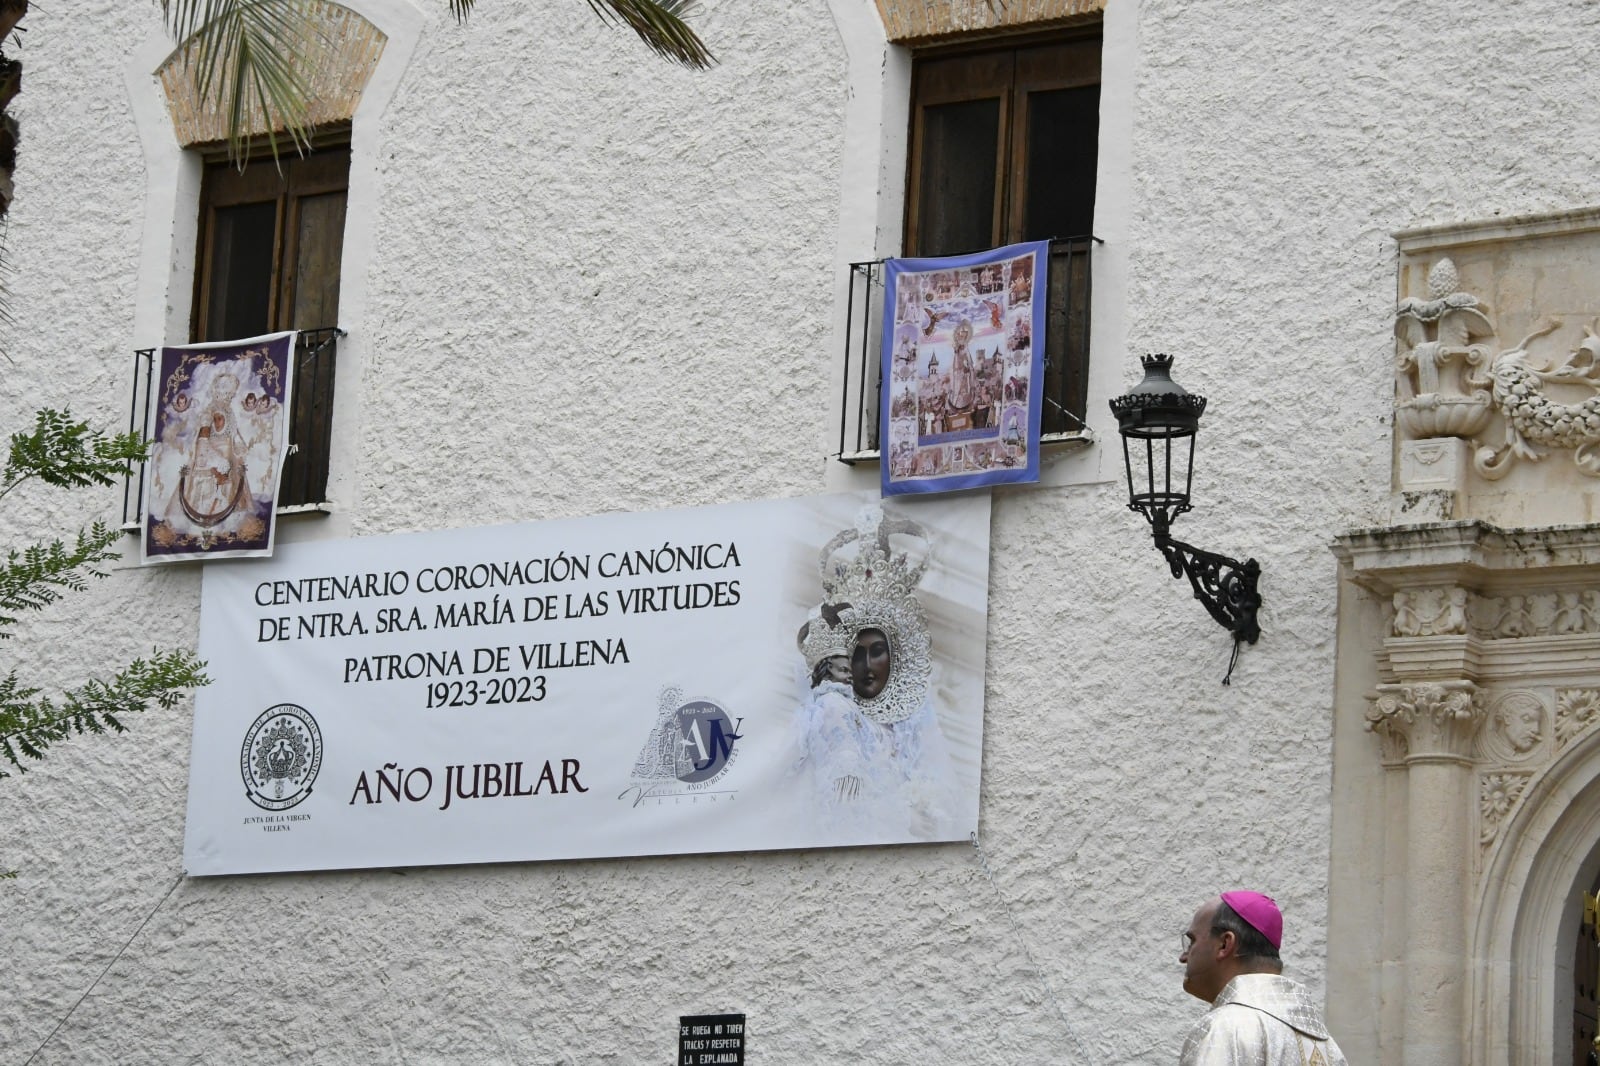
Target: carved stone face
x=1521, y=725
x=870, y=663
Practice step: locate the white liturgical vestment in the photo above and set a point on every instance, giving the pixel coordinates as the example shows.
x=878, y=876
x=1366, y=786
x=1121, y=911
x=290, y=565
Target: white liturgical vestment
x=1261, y=1019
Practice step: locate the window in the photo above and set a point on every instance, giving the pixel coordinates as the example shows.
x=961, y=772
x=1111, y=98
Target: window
x=271, y=238
x=1004, y=148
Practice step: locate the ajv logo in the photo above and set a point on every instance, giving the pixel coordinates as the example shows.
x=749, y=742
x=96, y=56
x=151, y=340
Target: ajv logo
x=693, y=744
x=708, y=737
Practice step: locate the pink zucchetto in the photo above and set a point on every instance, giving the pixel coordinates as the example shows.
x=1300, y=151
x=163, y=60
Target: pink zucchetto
x=1260, y=911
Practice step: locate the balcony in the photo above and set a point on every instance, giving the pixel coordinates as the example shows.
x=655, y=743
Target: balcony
x=1066, y=368
x=304, y=482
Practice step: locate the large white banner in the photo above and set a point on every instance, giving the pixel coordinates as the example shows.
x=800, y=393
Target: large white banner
x=780, y=674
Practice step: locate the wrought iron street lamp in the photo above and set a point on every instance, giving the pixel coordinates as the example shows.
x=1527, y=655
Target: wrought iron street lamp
x=1158, y=420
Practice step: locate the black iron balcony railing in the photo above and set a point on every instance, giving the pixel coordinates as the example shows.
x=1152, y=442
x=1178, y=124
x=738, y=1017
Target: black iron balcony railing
x=1066, y=368
x=304, y=483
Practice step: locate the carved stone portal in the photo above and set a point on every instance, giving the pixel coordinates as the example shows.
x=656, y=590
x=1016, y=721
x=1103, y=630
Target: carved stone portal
x=1467, y=694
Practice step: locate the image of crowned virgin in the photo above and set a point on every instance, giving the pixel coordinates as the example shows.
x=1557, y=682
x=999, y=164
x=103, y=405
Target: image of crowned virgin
x=868, y=742
x=218, y=439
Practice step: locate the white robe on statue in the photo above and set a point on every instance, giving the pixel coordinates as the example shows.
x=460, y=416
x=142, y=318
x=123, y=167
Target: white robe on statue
x=875, y=782
x=1261, y=1019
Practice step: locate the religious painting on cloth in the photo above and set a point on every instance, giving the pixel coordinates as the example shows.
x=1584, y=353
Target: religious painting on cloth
x=963, y=369
x=219, y=433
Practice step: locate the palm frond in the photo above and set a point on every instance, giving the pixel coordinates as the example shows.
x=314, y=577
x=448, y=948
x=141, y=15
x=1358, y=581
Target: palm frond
x=250, y=57
x=661, y=25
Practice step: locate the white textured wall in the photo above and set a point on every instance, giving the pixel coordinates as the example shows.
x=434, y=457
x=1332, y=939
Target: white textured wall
x=596, y=282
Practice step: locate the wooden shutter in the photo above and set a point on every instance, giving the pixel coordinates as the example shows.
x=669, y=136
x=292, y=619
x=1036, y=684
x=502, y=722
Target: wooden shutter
x=271, y=238
x=1003, y=146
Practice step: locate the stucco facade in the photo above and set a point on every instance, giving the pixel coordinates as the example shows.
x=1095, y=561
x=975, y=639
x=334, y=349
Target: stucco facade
x=1256, y=163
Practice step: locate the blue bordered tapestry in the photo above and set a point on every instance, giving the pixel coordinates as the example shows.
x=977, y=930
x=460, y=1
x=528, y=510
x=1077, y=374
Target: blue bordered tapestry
x=963, y=369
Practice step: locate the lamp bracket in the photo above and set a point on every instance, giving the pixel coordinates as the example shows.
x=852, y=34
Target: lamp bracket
x=1226, y=586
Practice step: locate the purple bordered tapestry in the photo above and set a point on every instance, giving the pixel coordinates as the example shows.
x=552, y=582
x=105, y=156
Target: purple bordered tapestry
x=219, y=433
x=963, y=369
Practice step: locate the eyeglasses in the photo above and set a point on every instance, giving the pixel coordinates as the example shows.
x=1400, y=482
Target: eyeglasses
x=1185, y=942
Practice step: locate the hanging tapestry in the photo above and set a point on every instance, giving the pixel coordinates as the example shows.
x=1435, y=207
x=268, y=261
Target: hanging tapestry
x=963, y=369
x=218, y=433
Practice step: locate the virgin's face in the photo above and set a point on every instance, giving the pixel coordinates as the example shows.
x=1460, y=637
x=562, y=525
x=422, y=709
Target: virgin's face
x=870, y=661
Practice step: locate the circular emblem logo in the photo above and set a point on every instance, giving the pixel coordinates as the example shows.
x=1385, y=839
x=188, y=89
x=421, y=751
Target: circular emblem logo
x=705, y=738
x=281, y=756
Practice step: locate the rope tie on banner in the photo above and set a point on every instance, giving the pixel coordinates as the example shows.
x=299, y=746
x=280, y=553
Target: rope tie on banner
x=120, y=951
x=1016, y=928
x=1084, y=426
x=1051, y=401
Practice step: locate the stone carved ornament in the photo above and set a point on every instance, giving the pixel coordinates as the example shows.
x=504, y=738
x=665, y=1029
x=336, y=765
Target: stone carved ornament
x=1451, y=383
x=1512, y=736
x=1577, y=711
x=1432, y=612
x=1436, y=348
x=1497, y=795
x=1516, y=732
x=1393, y=745
x=1428, y=718
x=1515, y=729
x=1542, y=614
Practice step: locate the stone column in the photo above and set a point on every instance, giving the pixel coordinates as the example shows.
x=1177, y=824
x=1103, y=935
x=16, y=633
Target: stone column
x=1392, y=953
x=1436, y=722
